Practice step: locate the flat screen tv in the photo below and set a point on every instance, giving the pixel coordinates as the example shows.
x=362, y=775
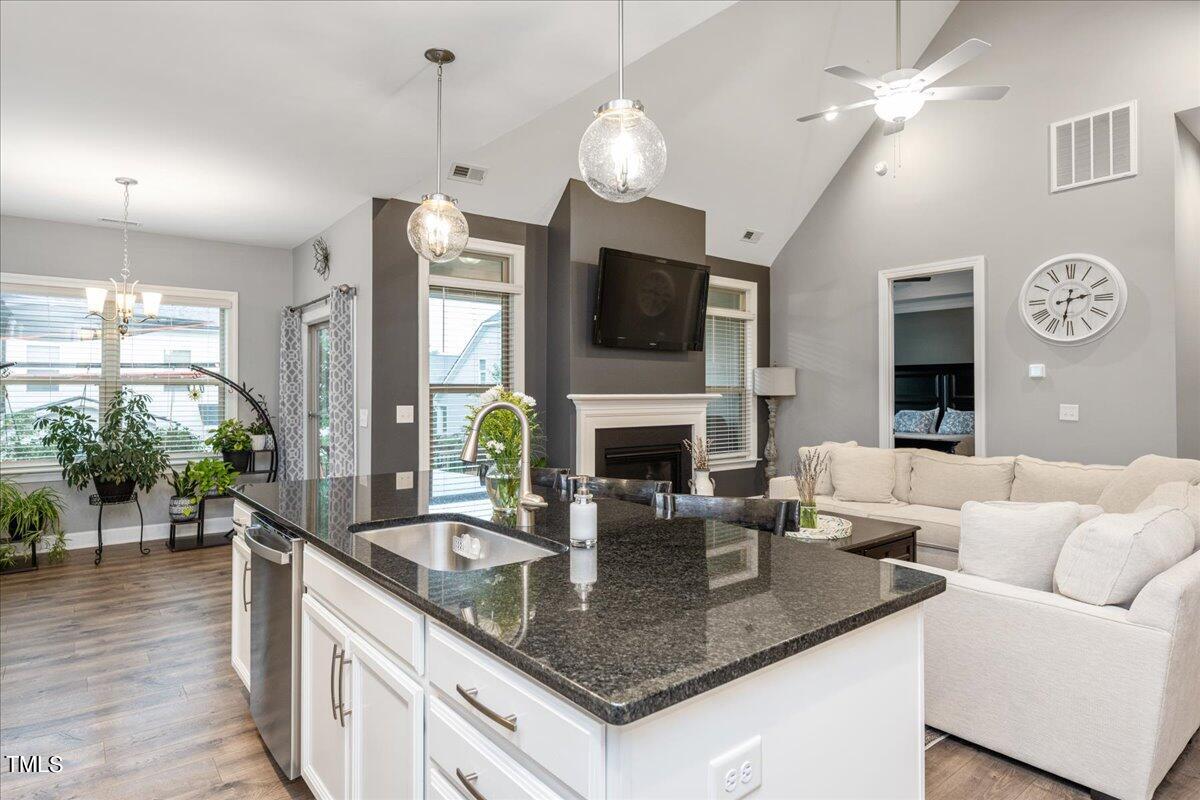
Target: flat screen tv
x=649, y=303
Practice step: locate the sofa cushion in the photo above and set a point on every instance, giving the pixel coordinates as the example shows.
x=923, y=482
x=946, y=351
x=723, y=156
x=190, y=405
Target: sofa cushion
x=1107, y=560
x=947, y=481
x=903, y=473
x=854, y=509
x=1143, y=476
x=1178, y=494
x=825, y=482
x=939, y=526
x=1038, y=481
x=1015, y=543
x=863, y=474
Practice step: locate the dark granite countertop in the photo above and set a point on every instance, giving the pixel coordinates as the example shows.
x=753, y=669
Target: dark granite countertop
x=678, y=607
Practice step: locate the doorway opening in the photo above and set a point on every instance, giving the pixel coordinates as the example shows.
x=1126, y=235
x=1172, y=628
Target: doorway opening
x=931, y=357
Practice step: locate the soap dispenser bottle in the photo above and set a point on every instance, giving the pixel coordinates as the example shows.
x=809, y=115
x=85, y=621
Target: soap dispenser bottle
x=583, y=516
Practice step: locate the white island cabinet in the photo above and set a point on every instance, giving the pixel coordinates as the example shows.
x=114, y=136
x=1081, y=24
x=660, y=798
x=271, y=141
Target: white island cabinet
x=240, y=624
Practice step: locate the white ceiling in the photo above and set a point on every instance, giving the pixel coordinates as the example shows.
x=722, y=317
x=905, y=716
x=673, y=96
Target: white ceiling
x=264, y=122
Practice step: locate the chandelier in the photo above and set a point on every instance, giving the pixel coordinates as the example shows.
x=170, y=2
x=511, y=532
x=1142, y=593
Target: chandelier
x=125, y=293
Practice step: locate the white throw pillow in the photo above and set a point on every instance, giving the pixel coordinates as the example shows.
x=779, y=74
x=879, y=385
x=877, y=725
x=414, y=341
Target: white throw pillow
x=825, y=482
x=1015, y=543
x=1178, y=494
x=1136, y=482
x=863, y=474
x=1107, y=560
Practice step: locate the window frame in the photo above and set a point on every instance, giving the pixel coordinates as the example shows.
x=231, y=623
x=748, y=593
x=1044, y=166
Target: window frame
x=25, y=471
x=749, y=315
x=514, y=287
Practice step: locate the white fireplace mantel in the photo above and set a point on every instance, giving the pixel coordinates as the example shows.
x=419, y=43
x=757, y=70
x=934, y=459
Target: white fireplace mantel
x=595, y=411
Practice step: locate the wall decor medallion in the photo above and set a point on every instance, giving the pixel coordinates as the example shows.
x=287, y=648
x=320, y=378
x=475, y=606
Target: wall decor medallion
x=321, y=258
x=1073, y=298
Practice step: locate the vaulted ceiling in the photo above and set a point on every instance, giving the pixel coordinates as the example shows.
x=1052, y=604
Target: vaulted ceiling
x=264, y=122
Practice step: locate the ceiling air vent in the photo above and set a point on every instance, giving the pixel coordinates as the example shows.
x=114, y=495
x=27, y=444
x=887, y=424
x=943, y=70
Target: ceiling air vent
x=1093, y=148
x=111, y=221
x=751, y=237
x=466, y=173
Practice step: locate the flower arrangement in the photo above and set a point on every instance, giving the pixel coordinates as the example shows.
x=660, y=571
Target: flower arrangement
x=807, y=470
x=699, y=450
x=500, y=442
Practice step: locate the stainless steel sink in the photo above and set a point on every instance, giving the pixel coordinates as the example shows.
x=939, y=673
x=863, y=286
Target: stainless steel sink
x=451, y=546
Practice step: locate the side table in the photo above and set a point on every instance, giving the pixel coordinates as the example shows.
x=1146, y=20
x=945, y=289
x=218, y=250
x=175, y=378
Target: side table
x=100, y=503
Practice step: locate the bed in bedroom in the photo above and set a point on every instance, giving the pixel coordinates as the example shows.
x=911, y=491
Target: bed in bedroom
x=943, y=395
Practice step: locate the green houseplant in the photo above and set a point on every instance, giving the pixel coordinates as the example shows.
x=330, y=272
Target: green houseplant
x=258, y=434
x=123, y=452
x=183, y=504
x=28, y=519
x=212, y=476
x=500, y=440
x=232, y=441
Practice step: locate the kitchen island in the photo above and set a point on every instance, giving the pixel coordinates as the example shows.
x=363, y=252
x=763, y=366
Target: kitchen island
x=679, y=658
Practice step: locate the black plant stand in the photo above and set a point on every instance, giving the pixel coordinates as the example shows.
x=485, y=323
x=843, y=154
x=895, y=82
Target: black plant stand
x=101, y=502
x=217, y=538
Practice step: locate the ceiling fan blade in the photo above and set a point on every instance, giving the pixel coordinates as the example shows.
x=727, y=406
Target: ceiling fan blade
x=965, y=92
x=893, y=127
x=970, y=49
x=851, y=74
x=837, y=109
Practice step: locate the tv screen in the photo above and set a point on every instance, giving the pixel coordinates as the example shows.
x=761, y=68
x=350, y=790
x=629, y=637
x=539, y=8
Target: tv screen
x=649, y=303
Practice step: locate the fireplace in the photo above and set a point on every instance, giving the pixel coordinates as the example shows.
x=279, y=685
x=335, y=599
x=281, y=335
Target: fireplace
x=645, y=453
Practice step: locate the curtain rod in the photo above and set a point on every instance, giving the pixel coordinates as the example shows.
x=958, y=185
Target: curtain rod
x=345, y=287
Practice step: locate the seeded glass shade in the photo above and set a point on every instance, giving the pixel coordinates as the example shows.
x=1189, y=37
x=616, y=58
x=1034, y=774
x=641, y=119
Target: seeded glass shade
x=622, y=155
x=437, y=229
x=775, y=381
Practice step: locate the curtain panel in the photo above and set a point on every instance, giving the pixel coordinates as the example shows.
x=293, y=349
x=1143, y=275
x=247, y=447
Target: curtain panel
x=289, y=432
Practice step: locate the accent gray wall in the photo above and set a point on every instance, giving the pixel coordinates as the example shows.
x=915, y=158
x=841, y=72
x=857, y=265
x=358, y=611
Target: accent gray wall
x=944, y=336
x=974, y=180
x=1187, y=295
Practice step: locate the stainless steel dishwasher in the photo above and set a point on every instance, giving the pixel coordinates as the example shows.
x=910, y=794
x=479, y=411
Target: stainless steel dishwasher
x=276, y=586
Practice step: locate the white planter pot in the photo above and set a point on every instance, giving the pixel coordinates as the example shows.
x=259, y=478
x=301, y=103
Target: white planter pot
x=702, y=484
x=258, y=441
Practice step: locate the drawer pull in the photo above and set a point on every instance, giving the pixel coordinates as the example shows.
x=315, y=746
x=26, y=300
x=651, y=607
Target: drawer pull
x=509, y=722
x=468, y=782
x=245, y=594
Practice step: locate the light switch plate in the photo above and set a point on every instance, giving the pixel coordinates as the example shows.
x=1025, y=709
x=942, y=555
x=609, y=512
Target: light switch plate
x=404, y=414
x=404, y=480
x=1037, y=370
x=1068, y=413
x=736, y=773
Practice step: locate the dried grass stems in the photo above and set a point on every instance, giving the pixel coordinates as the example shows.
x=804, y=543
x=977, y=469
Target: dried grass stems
x=807, y=469
x=699, y=451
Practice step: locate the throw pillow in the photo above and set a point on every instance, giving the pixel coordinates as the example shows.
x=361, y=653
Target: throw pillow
x=957, y=422
x=910, y=421
x=903, y=472
x=863, y=474
x=1178, y=494
x=1143, y=476
x=1038, y=481
x=825, y=482
x=946, y=481
x=1015, y=543
x=1107, y=560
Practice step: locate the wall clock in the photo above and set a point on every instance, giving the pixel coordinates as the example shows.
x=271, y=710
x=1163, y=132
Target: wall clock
x=1073, y=299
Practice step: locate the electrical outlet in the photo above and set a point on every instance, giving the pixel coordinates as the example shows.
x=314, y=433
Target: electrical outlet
x=736, y=773
x=404, y=414
x=1068, y=413
x=404, y=480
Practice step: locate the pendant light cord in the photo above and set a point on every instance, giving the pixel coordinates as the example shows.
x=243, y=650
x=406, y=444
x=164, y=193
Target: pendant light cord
x=438, y=167
x=898, y=34
x=621, y=49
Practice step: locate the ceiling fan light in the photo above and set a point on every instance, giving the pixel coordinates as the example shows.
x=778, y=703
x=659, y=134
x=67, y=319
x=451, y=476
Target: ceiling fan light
x=899, y=106
x=831, y=114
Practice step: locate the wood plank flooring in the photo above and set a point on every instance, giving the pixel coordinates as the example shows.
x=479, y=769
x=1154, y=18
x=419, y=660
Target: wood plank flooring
x=123, y=671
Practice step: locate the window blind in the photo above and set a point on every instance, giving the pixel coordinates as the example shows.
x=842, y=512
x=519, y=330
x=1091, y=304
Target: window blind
x=726, y=370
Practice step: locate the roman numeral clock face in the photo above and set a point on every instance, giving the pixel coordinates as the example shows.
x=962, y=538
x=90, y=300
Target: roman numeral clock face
x=1073, y=299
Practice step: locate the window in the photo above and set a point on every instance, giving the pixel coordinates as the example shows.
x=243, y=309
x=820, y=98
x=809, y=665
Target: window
x=729, y=359
x=61, y=356
x=472, y=331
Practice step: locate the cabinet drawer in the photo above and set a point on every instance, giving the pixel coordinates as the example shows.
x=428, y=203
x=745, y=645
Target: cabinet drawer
x=901, y=550
x=465, y=757
x=564, y=740
x=393, y=624
x=440, y=788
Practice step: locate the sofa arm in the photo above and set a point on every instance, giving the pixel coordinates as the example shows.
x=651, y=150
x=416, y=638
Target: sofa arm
x=783, y=488
x=1171, y=599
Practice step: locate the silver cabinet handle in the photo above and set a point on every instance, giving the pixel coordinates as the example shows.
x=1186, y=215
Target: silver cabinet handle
x=245, y=594
x=468, y=782
x=341, y=704
x=332, y=673
x=509, y=722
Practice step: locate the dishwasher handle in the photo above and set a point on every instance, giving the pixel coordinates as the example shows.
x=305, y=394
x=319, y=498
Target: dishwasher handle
x=260, y=544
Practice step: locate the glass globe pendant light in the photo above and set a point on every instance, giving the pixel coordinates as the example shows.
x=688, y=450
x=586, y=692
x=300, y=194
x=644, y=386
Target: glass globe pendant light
x=437, y=230
x=622, y=155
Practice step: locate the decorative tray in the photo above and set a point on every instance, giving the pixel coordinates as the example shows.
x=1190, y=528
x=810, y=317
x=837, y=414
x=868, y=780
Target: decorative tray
x=828, y=528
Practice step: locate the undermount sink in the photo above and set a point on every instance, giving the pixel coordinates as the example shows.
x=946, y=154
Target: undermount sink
x=452, y=546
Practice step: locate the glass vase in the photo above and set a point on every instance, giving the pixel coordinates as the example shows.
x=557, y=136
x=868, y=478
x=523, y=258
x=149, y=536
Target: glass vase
x=504, y=491
x=808, y=516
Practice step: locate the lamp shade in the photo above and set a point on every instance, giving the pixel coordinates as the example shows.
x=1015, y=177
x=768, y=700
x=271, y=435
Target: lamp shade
x=775, y=381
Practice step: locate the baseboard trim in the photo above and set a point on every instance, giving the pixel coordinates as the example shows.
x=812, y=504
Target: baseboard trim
x=86, y=539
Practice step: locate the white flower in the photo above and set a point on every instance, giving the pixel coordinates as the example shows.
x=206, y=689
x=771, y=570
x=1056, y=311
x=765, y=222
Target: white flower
x=490, y=396
x=494, y=445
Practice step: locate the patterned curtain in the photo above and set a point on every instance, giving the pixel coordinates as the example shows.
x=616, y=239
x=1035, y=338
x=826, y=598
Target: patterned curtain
x=341, y=383
x=289, y=430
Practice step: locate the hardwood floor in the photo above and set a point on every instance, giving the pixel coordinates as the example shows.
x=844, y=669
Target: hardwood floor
x=123, y=671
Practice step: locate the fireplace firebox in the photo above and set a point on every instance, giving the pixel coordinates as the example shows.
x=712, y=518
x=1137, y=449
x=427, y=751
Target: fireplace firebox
x=645, y=453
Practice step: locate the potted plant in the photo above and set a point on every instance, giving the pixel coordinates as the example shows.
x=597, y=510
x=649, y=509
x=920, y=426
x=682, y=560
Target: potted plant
x=183, y=504
x=27, y=519
x=232, y=441
x=258, y=434
x=211, y=476
x=120, y=454
x=500, y=439
x=702, y=482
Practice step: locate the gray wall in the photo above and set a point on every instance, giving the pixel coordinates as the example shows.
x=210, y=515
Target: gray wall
x=974, y=181
x=349, y=241
x=943, y=336
x=1187, y=295
x=257, y=274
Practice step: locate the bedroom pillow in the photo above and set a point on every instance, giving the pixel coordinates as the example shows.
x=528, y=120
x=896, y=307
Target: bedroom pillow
x=910, y=421
x=1107, y=560
x=863, y=474
x=1015, y=543
x=1178, y=494
x=957, y=422
x=825, y=482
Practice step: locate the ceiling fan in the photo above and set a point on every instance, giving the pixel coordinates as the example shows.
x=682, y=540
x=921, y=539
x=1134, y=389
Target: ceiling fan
x=900, y=94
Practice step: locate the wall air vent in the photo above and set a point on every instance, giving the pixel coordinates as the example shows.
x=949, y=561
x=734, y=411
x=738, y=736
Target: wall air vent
x=1093, y=148
x=111, y=221
x=751, y=237
x=466, y=173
